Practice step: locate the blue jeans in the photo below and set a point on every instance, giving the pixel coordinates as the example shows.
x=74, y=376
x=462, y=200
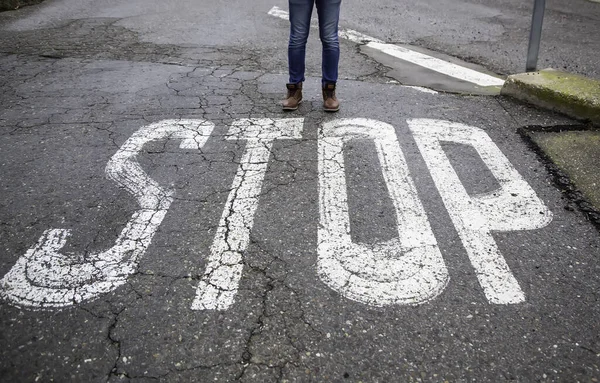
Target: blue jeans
x=329, y=16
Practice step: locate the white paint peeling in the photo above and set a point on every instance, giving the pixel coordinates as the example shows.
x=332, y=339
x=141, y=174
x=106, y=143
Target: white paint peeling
x=46, y=278
x=280, y=13
x=357, y=37
x=219, y=285
x=514, y=206
x=421, y=89
x=406, y=270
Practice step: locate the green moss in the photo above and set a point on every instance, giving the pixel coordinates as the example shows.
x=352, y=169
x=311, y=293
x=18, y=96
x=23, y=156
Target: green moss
x=575, y=85
x=571, y=94
x=576, y=153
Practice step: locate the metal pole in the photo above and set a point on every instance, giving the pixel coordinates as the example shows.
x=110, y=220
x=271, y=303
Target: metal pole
x=536, y=34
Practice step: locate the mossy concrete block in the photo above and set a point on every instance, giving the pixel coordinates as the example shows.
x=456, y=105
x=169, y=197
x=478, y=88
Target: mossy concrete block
x=576, y=96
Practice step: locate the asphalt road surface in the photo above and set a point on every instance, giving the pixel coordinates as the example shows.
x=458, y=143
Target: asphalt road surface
x=161, y=218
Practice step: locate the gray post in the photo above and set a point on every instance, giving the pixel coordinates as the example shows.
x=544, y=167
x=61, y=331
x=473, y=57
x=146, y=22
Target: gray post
x=535, y=35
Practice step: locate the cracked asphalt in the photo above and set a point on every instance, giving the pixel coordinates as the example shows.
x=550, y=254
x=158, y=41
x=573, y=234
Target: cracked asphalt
x=77, y=87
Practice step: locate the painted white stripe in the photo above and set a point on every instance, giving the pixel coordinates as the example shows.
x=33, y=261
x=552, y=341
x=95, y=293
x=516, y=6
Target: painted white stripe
x=46, y=278
x=219, y=285
x=514, y=206
x=406, y=270
x=437, y=65
x=426, y=61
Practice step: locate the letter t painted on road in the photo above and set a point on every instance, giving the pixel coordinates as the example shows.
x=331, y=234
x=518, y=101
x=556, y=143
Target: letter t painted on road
x=219, y=285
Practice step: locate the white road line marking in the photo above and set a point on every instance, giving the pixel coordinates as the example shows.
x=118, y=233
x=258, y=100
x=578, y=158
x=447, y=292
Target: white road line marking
x=46, y=278
x=437, y=65
x=426, y=61
x=514, y=206
x=406, y=270
x=219, y=285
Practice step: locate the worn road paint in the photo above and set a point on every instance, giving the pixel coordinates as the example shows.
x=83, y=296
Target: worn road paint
x=46, y=278
x=514, y=206
x=219, y=285
x=405, y=54
x=421, y=89
x=405, y=270
x=278, y=12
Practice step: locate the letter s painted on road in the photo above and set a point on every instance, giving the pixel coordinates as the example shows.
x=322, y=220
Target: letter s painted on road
x=46, y=278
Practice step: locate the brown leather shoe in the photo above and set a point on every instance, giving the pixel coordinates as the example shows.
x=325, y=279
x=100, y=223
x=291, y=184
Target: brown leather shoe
x=330, y=102
x=294, y=96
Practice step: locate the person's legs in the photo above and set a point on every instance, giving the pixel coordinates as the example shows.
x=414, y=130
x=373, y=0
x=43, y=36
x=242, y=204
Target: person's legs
x=329, y=16
x=300, y=12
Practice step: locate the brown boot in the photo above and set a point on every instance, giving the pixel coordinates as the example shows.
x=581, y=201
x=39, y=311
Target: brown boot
x=330, y=102
x=294, y=96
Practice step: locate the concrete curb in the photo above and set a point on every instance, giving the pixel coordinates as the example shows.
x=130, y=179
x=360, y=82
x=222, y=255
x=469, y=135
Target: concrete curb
x=573, y=95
